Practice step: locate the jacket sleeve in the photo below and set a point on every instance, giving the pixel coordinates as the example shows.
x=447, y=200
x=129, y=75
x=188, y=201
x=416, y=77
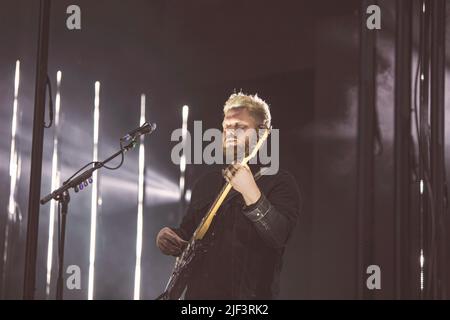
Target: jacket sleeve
x=274, y=215
x=187, y=226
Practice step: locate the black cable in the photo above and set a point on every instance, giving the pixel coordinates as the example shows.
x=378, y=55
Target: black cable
x=426, y=174
x=121, y=160
x=105, y=166
x=419, y=145
x=118, y=166
x=50, y=105
x=92, y=162
x=432, y=258
x=415, y=101
x=422, y=158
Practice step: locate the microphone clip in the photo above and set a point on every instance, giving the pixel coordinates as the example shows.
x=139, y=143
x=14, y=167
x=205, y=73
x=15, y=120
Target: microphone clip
x=146, y=128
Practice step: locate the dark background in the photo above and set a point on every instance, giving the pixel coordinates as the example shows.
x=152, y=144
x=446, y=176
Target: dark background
x=301, y=56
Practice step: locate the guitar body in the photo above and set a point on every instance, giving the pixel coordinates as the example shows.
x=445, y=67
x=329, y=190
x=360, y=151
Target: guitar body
x=182, y=270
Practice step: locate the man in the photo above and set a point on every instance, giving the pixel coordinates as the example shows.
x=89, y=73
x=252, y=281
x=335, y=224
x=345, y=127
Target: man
x=247, y=237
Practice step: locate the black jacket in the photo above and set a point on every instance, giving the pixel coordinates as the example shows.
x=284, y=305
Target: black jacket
x=245, y=244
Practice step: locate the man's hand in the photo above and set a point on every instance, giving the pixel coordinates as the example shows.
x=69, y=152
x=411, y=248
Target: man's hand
x=241, y=178
x=169, y=242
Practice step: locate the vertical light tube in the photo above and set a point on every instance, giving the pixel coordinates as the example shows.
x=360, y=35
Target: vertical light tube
x=54, y=183
x=422, y=263
x=13, y=161
x=141, y=194
x=94, y=194
x=14, y=169
x=183, y=156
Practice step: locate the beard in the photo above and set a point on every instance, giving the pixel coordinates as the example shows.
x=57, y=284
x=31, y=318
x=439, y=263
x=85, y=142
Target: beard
x=237, y=152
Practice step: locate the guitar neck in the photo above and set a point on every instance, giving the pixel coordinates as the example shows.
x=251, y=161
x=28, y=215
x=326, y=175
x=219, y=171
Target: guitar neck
x=207, y=219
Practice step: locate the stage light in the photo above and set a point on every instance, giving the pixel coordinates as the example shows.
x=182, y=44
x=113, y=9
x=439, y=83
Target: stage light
x=185, y=115
x=55, y=182
x=181, y=185
x=141, y=189
x=187, y=196
x=94, y=194
x=422, y=263
x=13, y=161
x=160, y=190
x=14, y=171
x=183, y=163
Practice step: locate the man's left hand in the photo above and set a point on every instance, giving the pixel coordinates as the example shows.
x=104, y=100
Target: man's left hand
x=241, y=178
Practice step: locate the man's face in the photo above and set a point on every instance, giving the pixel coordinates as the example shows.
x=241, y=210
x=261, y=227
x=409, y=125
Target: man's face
x=238, y=129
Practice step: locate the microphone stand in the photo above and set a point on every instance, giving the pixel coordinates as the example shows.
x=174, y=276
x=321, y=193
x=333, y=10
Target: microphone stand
x=63, y=205
x=62, y=196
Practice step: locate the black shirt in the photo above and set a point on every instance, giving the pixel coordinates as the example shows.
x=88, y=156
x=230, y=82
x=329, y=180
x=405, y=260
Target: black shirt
x=244, y=244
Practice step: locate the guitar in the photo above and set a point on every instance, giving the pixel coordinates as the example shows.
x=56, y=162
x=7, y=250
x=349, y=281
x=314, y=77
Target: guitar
x=185, y=263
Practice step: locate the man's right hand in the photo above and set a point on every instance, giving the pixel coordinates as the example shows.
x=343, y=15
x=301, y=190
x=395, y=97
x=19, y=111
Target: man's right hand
x=169, y=242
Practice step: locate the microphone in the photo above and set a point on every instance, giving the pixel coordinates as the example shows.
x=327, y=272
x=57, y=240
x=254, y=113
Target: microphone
x=144, y=129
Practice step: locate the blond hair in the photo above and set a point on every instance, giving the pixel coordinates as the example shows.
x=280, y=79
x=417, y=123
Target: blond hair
x=256, y=106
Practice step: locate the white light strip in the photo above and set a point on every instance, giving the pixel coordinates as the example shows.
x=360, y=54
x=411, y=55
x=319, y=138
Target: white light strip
x=183, y=164
x=187, y=196
x=421, y=186
x=422, y=263
x=54, y=185
x=181, y=184
x=185, y=114
x=14, y=169
x=94, y=201
x=13, y=160
x=141, y=188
